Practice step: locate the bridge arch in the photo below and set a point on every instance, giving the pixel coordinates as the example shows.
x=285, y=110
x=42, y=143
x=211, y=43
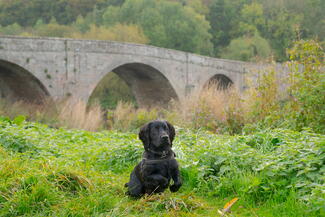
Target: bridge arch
x=148, y=84
x=221, y=81
x=18, y=84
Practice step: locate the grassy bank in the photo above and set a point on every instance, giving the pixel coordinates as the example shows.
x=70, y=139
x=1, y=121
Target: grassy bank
x=59, y=172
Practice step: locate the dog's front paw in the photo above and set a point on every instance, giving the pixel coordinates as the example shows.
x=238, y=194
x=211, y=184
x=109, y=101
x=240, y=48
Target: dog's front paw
x=174, y=187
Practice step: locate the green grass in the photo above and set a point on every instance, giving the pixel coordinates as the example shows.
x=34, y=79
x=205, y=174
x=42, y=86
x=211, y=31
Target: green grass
x=59, y=172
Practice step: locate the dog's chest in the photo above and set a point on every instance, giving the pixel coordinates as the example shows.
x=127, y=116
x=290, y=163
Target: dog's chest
x=150, y=167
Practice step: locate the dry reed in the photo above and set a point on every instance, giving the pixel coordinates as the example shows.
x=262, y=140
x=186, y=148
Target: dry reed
x=76, y=114
x=68, y=113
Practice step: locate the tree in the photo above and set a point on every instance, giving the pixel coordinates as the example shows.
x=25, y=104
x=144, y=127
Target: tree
x=166, y=24
x=81, y=24
x=248, y=48
x=53, y=29
x=198, y=6
x=252, y=19
x=310, y=13
x=118, y=32
x=281, y=30
x=224, y=18
x=111, y=15
x=26, y=13
x=13, y=29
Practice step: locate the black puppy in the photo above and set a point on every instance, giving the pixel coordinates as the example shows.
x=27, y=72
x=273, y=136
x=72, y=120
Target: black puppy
x=158, y=166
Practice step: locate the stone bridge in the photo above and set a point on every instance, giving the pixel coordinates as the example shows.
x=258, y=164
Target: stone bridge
x=34, y=68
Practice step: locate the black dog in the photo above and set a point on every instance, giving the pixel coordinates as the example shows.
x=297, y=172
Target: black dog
x=158, y=166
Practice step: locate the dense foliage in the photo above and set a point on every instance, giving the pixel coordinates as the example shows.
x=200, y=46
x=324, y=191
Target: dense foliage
x=199, y=26
x=46, y=172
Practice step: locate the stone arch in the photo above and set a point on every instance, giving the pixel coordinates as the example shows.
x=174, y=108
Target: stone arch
x=18, y=84
x=220, y=80
x=149, y=86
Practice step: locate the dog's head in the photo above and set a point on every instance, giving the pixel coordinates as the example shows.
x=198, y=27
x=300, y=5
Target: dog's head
x=157, y=135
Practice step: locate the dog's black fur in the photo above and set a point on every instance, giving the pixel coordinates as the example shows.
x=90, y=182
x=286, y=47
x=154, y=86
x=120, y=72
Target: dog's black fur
x=158, y=166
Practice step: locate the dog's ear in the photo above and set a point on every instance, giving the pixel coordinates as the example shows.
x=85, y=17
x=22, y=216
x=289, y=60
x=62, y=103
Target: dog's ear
x=171, y=131
x=144, y=135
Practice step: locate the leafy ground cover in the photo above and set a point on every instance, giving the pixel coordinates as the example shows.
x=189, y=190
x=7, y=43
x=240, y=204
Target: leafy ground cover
x=58, y=172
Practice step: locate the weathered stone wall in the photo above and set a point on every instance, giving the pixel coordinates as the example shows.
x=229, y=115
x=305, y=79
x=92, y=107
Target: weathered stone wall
x=67, y=67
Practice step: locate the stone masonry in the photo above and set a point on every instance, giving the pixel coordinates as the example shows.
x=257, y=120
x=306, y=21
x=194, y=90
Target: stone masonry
x=31, y=68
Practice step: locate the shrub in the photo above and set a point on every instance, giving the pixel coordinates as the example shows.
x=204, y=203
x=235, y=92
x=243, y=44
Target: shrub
x=307, y=85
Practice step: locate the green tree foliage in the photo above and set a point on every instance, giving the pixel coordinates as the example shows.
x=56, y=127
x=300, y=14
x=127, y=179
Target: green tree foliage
x=224, y=18
x=278, y=21
x=310, y=12
x=166, y=24
x=248, y=48
x=118, y=32
x=314, y=18
x=81, y=24
x=26, y=13
x=200, y=6
x=252, y=19
x=13, y=29
x=110, y=91
x=281, y=29
x=53, y=29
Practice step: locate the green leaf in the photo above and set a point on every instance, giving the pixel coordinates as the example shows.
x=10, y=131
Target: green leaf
x=19, y=119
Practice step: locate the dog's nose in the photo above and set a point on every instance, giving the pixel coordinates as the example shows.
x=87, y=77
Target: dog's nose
x=165, y=137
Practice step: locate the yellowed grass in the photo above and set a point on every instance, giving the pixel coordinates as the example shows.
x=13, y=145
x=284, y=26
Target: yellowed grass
x=207, y=104
x=32, y=111
x=75, y=114
x=68, y=113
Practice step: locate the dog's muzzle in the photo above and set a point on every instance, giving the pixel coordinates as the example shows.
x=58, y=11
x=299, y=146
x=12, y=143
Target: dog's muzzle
x=165, y=140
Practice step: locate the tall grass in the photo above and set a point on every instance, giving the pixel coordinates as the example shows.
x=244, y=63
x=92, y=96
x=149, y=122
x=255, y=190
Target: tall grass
x=68, y=113
x=75, y=114
x=206, y=109
x=45, y=112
